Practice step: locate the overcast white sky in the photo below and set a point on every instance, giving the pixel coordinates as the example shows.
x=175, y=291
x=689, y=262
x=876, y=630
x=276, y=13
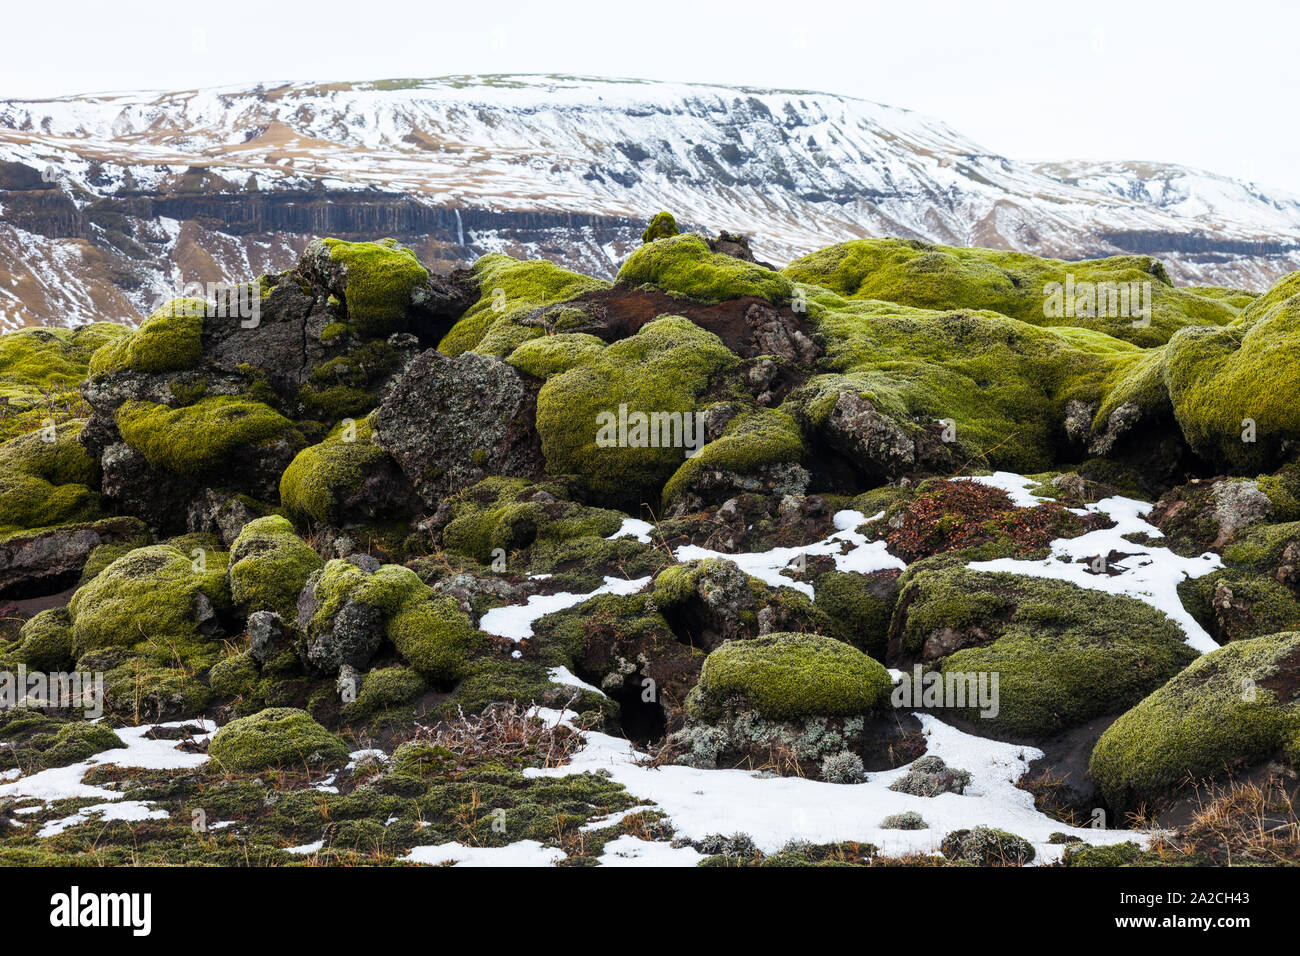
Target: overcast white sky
x=1208, y=84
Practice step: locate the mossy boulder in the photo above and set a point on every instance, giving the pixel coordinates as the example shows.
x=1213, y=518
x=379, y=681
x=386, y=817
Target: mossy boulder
x=169, y=340
x=46, y=641
x=197, y=440
x=379, y=280
x=344, y=480
x=1016, y=284
x=1233, y=388
x=662, y=226
x=965, y=386
x=759, y=452
x=33, y=740
x=684, y=265
x=511, y=514
x=156, y=601
x=269, y=564
x=509, y=292
x=45, y=479
x=661, y=371
x=346, y=611
x=789, y=676
x=1062, y=654
x=278, y=738
x=382, y=689
x=1232, y=708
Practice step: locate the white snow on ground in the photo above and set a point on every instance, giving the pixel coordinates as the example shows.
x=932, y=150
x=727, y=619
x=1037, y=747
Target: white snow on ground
x=562, y=675
x=141, y=752
x=628, y=850
x=516, y=621
x=634, y=528
x=307, y=849
x=1151, y=574
x=862, y=555
x=776, y=810
x=523, y=853
x=1016, y=486
x=131, y=810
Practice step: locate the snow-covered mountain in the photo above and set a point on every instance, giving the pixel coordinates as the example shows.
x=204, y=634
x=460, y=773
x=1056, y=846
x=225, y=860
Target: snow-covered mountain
x=109, y=201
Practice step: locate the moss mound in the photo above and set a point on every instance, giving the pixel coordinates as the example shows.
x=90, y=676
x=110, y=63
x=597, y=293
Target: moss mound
x=511, y=514
x=789, y=676
x=428, y=629
x=276, y=738
x=1016, y=284
x=322, y=478
x=1003, y=384
x=1233, y=707
x=380, y=279
x=46, y=641
x=746, y=456
x=45, y=482
x=662, y=226
x=269, y=564
x=33, y=740
x=508, y=291
x=41, y=371
x=199, y=439
x=685, y=265
x=661, y=370
x=1063, y=654
x=152, y=601
x=167, y=341
x=1233, y=389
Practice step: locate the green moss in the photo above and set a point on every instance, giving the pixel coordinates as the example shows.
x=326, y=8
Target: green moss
x=167, y=341
x=1063, y=654
x=279, y=737
x=511, y=514
x=1283, y=491
x=45, y=483
x=1230, y=708
x=1016, y=284
x=199, y=439
x=508, y=291
x=1222, y=380
x=1259, y=605
x=428, y=629
x=860, y=608
x=321, y=478
x=36, y=741
x=347, y=385
x=662, y=369
x=269, y=565
x=235, y=676
x=553, y=354
x=1260, y=547
x=684, y=265
x=47, y=641
x=381, y=276
x=38, y=362
x=788, y=676
x=149, y=602
x=662, y=226
x=751, y=442
x=382, y=689
x=492, y=680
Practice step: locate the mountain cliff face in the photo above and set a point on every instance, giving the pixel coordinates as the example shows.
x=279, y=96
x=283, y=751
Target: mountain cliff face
x=109, y=202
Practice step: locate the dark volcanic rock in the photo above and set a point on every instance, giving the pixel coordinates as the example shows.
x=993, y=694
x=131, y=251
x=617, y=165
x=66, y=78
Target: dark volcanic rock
x=452, y=422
